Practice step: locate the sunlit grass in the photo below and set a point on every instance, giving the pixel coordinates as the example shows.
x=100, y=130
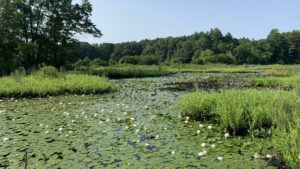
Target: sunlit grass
x=35, y=85
x=243, y=111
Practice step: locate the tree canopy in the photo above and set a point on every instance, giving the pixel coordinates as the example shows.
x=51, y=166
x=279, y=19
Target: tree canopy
x=203, y=47
x=41, y=31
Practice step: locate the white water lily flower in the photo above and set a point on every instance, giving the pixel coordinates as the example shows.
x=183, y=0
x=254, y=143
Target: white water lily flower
x=100, y=122
x=108, y=120
x=198, y=131
x=102, y=111
x=125, y=113
x=220, y=158
x=201, y=154
x=127, y=107
x=83, y=113
x=226, y=135
x=186, y=121
x=187, y=117
x=256, y=155
x=213, y=146
x=268, y=156
x=209, y=127
x=119, y=119
x=173, y=152
x=146, y=107
x=2, y=111
x=126, y=127
x=60, y=129
x=147, y=144
x=157, y=137
x=73, y=121
x=203, y=145
x=95, y=115
x=70, y=132
x=66, y=114
x=134, y=125
x=132, y=118
x=41, y=125
x=201, y=125
x=137, y=130
x=67, y=135
x=179, y=117
x=5, y=139
x=47, y=132
x=165, y=128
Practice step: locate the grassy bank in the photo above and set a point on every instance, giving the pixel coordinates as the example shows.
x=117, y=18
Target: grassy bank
x=36, y=85
x=264, y=113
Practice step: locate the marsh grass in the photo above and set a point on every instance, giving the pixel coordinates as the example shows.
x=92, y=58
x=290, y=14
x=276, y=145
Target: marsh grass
x=242, y=111
x=40, y=85
x=277, y=82
x=262, y=113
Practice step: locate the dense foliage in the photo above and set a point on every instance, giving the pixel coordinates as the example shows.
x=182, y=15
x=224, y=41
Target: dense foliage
x=201, y=48
x=41, y=31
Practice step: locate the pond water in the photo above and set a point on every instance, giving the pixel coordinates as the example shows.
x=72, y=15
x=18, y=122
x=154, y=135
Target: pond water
x=139, y=126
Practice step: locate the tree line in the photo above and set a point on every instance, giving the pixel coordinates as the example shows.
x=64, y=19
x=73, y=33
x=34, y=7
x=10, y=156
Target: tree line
x=200, y=48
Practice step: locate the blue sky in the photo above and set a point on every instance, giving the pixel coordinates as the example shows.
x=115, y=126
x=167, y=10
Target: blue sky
x=134, y=20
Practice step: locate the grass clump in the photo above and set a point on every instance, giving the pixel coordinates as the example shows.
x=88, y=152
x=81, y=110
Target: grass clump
x=41, y=84
x=287, y=141
x=243, y=111
x=254, y=112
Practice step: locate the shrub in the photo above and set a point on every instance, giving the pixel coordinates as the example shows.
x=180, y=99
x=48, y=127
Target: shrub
x=220, y=58
x=48, y=72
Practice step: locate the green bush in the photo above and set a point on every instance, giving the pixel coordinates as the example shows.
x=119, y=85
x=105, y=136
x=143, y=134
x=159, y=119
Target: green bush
x=141, y=60
x=48, y=72
x=220, y=58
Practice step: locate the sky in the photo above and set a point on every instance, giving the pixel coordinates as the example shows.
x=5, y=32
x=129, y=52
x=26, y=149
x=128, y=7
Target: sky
x=135, y=20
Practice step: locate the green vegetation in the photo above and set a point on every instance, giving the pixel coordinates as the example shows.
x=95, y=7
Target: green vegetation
x=260, y=113
x=97, y=133
x=279, y=77
x=48, y=81
x=201, y=48
x=245, y=111
x=37, y=32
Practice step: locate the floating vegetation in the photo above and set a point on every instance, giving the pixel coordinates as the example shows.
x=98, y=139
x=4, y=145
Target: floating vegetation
x=65, y=132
